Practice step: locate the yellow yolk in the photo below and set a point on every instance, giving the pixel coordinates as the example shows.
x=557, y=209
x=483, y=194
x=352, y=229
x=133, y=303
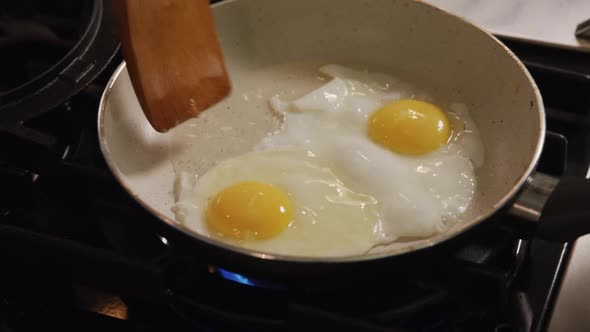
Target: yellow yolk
x=249, y=210
x=409, y=126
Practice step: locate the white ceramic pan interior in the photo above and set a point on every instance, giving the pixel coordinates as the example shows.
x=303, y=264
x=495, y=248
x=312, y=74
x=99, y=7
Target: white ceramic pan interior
x=439, y=52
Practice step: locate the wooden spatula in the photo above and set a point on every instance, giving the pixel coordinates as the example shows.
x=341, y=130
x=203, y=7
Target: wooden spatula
x=173, y=57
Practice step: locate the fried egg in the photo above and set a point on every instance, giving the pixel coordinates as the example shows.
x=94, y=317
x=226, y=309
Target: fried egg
x=361, y=161
x=282, y=202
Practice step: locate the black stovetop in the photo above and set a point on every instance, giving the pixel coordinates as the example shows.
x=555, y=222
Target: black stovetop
x=76, y=254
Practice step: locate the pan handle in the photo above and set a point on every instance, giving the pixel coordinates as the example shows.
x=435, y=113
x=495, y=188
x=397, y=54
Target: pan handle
x=559, y=206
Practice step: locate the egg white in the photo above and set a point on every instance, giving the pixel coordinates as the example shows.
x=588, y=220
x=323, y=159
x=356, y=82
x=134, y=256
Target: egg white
x=349, y=193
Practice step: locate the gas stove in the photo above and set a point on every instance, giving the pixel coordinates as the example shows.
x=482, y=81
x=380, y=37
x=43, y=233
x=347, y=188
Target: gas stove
x=76, y=253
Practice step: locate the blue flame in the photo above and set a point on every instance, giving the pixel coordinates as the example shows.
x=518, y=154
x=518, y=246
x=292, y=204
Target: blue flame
x=242, y=279
x=235, y=277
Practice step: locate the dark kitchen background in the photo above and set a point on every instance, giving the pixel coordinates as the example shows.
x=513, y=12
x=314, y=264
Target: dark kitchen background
x=75, y=254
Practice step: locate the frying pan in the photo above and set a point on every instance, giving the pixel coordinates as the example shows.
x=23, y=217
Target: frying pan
x=442, y=52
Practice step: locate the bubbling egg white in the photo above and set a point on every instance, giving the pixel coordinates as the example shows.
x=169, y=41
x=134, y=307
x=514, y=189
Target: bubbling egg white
x=419, y=196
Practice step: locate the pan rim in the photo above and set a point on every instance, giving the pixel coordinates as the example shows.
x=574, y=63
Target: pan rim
x=421, y=245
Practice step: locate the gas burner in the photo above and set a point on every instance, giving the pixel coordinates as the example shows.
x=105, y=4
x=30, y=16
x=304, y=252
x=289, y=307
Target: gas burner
x=463, y=296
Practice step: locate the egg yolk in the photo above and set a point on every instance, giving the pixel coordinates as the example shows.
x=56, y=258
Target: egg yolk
x=249, y=210
x=410, y=127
